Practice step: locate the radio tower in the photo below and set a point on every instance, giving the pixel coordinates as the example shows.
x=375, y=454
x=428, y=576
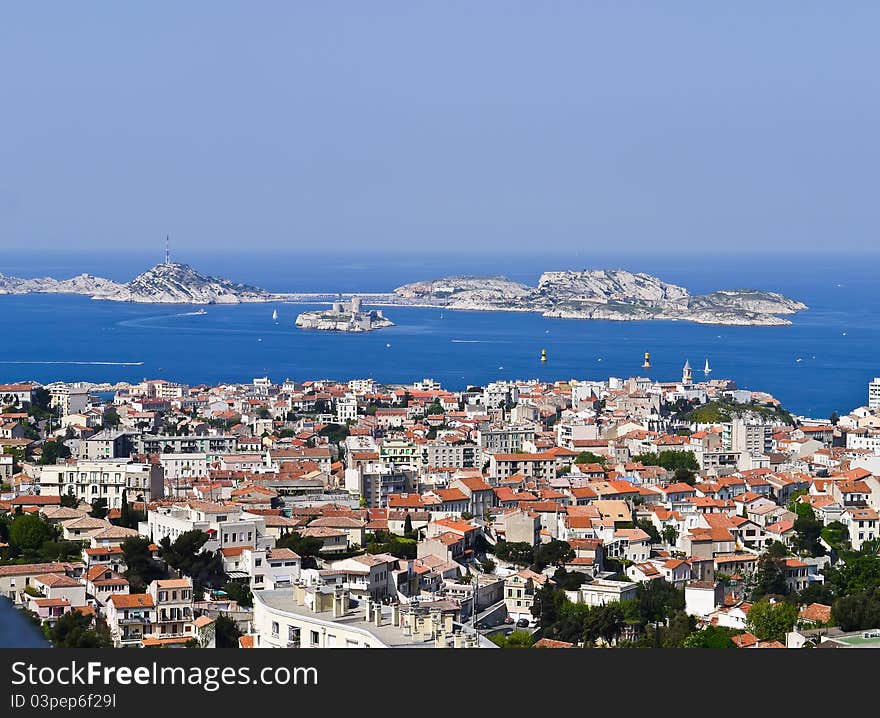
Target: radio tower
x=167, y=252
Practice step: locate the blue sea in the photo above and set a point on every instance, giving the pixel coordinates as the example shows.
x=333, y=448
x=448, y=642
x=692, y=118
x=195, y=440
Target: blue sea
x=16, y=630
x=820, y=364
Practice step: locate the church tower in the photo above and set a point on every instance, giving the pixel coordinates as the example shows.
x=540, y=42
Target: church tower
x=687, y=375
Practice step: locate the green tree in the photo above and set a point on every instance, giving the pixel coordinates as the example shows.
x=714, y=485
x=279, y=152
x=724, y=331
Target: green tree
x=649, y=528
x=99, y=509
x=111, y=418
x=226, y=632
x=605, y=622
x=52, y=451
x=516, y=639
x=75, y=630
x=240, y=593
x=516, y=552
x=547, y=607
x=588, y=457
x=28, y=533
x=186, y=556
x=858, y=574
x=836, y=535
x=656, y=600
x=69, y=501
x=684, y=476
x=808, y=531
x=60, y=551
x=670, y=460
x=552, y=553
x=130, y=517
x=771, y=621
x=307, y=547
x=710, y=637
x=435, y=408
x=670, y=534
x=408, y=527
x=141, y=567
x=857, y=611
x=769, y=577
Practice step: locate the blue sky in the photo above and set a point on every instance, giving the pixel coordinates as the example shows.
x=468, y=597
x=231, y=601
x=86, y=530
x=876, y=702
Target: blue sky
x=459, y=126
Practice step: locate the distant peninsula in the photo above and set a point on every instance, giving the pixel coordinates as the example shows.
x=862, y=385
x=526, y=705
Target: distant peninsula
x=166, y=283
x=602, y=294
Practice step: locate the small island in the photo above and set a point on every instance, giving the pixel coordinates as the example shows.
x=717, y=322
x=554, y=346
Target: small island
x=344, y=317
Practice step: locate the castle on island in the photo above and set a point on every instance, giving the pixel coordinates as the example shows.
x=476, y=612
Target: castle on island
x=344, y=316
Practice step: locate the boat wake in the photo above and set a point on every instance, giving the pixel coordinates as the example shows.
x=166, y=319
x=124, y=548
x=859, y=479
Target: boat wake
x=467, y=341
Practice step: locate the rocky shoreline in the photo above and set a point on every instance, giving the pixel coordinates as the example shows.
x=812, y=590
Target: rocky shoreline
x=614, y=295
x=167, y=283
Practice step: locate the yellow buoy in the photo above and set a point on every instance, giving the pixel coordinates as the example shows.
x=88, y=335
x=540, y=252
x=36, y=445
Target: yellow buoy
x=543, y=355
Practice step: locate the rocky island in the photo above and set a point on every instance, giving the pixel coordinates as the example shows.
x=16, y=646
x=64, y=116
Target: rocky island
x=166, y=283
x=344, y=317
x=587, y=294
x=602, y=294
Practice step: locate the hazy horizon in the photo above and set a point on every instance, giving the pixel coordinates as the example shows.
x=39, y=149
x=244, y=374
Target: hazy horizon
x=432, y=128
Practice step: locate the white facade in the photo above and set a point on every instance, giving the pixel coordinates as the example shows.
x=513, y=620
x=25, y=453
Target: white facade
x=874, y=394
x=184, y=466
x=103, y=479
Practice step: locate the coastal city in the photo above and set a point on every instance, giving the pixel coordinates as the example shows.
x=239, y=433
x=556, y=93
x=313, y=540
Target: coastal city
x=621, y=512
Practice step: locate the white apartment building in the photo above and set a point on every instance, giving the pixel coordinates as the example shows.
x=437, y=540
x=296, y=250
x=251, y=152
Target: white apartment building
x=874, y=393
x=439, y=452
x=227, y=525
x=213, y=445
x=184, y=466
x=89, y=480
x=752, y=437
x=270, y=569
x=346, y=408
x=507, y=440
x=362, y=386
x=538, y=466
x=324, y=617
x=865, y=439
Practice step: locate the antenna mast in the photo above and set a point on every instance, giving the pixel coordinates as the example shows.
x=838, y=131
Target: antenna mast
x=167, y=252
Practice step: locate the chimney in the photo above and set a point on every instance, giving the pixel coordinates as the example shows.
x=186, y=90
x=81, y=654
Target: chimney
x=337, y=602
x=344, y=601
x=377, y=615
x=457, y=640
x=368, y=603
x=395, y=614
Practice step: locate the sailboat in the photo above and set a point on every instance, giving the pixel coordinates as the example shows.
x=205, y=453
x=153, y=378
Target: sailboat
x=707, y=370
x=275, y=315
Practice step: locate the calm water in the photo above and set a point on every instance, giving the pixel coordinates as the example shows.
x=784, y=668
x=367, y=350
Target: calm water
x=16, y=631
x=48, y=337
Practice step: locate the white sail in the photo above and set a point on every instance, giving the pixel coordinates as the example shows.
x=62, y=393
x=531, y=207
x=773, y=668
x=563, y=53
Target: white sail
x=707, y=370
x=275, y=315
